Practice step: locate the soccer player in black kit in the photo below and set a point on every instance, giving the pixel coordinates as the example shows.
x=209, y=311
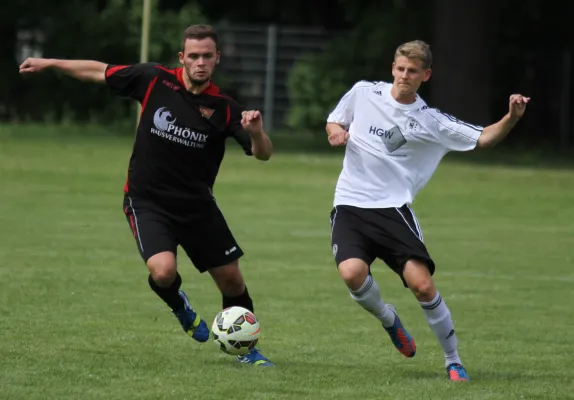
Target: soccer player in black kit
x=180, y=143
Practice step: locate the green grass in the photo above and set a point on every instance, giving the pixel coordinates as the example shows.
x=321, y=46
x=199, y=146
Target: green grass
x=78, y=321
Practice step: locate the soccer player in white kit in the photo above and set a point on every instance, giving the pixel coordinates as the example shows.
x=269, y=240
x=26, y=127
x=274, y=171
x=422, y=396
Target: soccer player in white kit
x=394, y=143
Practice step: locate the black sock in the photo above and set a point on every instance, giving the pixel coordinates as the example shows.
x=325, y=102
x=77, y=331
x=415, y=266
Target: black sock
x=243, y=300
x=169, y=294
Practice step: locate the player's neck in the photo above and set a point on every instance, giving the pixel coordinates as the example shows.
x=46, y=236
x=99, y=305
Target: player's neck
x=408, y=98
x=193, y=88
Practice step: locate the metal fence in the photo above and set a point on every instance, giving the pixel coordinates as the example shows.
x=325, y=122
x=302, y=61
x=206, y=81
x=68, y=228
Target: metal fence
x=259, y=58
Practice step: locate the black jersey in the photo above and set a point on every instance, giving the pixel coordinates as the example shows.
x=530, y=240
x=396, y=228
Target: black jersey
x=181, y=136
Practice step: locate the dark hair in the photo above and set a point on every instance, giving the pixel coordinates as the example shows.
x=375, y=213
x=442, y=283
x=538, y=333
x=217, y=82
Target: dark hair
x=199, y=32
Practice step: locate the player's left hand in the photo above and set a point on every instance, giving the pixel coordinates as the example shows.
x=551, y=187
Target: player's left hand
x=252, y=121
x=517, y=106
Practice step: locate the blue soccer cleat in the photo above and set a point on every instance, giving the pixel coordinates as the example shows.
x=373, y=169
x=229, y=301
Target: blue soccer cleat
x=256, y=358
x=402, y=340
x=457, y=372
x=191, y=322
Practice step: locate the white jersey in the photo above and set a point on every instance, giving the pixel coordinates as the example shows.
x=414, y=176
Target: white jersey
x=394, y=148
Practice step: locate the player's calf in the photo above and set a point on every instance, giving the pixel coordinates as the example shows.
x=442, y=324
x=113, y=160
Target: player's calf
x=165, y=281
x=229, y=280
x=365, y=291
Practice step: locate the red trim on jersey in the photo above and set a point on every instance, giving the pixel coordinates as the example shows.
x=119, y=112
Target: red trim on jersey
x=126, y=185
x=147, y=93
x=213, y=90
x=113, y=70
x=210, y=90
x=169, y=71
x=228, y=117
x=177, y=72
x=179, y=75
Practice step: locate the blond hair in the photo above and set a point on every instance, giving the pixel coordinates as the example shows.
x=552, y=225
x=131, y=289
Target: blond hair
x=416, y=49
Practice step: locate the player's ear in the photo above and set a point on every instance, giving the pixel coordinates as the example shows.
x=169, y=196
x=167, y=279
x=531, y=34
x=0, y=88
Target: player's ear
x=217, y=57
x=428, y=74
x=180, y=56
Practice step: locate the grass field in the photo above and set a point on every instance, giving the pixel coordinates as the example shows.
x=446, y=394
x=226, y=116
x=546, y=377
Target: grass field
x=78, y=321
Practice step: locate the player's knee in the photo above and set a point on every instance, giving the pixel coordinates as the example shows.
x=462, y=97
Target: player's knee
x=423, y=289
x=163, y=268
x=419, y=280
x=354, y=272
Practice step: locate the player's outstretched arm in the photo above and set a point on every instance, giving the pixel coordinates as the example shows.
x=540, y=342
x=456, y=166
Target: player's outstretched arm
x=261, y=145
x=85, y=70
x=337, y=134
x=495, y=133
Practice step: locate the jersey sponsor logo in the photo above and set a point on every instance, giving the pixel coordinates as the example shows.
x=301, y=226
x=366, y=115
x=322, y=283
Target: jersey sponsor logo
x=392, y=138
x=162, y=119
x=166, y=127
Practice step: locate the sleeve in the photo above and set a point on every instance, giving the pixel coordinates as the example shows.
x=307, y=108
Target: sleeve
x=345, y=109
x=452, y=133
x=131, y=80
x=236, y=129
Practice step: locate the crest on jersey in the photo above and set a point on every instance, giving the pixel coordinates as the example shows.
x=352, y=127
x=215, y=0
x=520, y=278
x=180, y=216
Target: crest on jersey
x=206, y=112
x=412, y=125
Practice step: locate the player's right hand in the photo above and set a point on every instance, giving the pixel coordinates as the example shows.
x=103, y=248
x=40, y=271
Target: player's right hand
x=338, y=138
x=34, y=65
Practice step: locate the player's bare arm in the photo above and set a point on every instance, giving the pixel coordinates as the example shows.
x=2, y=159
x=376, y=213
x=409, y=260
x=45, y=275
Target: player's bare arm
x=337, y=134
x=85, y=70
x=495, y=133
x=252, y=122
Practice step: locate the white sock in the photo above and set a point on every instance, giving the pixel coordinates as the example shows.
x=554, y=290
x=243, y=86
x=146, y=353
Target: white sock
x=440, y=321
x=369, y=297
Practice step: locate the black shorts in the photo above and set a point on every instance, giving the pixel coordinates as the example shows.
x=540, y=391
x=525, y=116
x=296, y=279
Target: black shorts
x=392, y=235
x=205, y=238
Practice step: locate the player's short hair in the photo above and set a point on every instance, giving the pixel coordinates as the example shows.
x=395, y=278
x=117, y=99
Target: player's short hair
x=199, y=32
x=416, y=49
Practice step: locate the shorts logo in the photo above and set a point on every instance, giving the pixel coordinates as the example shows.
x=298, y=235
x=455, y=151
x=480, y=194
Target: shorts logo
x=231, y=250
x=335, y=248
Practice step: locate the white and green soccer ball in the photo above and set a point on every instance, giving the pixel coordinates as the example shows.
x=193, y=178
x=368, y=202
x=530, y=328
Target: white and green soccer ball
x=235, y=330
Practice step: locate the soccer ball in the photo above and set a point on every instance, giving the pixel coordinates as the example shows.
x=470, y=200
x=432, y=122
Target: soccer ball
x=235, y=330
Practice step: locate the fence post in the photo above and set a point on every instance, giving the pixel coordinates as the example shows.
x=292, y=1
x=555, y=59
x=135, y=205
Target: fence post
x=269, y=99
